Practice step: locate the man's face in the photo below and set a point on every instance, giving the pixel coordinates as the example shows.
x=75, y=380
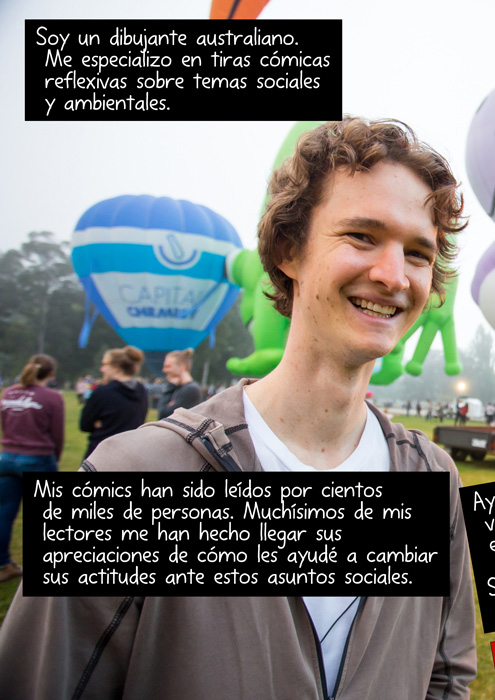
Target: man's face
x=171, y=369
x=365, y=273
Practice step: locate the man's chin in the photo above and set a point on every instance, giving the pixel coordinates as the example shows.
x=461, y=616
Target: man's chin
x=368, y=356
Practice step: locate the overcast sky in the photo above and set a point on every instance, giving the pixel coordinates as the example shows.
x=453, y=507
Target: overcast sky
x=427, y=63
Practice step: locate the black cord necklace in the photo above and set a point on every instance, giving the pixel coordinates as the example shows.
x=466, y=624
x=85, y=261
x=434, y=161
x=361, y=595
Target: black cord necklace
x=335, y=621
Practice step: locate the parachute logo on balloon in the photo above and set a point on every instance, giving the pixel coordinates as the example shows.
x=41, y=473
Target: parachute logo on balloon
x=175, y=256
x=154, y=269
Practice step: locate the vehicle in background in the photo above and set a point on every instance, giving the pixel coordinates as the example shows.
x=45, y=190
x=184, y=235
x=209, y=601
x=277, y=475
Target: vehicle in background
x=467, y=440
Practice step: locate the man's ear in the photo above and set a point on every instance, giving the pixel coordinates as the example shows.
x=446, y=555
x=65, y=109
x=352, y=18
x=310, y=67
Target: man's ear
x=289, y=264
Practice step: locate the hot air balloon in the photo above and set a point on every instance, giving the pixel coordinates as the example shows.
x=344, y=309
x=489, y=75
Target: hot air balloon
x=236, y=9
x=483, y=285
x=480, y=164
x=480, y=154
x=154, y=269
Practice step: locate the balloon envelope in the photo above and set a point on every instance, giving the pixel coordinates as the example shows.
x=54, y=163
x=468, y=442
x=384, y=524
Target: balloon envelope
x=483, y=285
x=480, y=154
x=154, y=268
x=236, y=9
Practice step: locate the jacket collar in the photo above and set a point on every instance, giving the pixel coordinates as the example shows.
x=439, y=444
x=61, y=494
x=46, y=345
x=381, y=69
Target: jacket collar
x=407, y=451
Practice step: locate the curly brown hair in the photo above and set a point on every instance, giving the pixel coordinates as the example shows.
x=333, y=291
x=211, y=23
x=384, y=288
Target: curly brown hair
x=355, y=144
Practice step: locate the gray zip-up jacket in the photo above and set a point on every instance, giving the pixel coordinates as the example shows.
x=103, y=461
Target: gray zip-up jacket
x=239, y=648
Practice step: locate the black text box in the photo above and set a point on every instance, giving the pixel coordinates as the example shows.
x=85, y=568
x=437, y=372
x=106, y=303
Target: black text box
x=101, y=70
x=236, y=534
x=478, y=505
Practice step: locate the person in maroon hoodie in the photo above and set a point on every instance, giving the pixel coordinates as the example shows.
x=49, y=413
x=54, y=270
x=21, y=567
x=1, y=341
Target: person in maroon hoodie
x=33, y=438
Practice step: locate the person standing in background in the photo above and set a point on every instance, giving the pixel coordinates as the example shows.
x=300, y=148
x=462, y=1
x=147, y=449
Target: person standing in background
x=440, y=412
x=429, y=410
x=120, y=403
x=490, y=413
x=33, y=438
x=186, y=393
x=81, y=386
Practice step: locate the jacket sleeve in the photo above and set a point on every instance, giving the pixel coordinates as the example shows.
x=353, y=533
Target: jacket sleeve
x=165, y=397
x=186, y=396
x=455, y=661
x=144, y=404
x=89, y=413
x=58, y=648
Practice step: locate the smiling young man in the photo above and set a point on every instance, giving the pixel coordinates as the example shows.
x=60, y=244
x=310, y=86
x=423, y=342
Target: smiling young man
x=359, y=280
x=354, y=239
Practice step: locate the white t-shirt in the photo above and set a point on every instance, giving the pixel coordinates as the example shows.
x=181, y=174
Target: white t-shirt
x=371, y=454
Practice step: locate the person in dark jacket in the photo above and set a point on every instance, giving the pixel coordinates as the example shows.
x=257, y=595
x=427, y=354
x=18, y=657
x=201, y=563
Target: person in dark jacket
x=182, y=391
x=120, y=403
x=33, y=438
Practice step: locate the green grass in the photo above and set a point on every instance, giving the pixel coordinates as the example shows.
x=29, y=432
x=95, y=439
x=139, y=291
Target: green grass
x=471, y=472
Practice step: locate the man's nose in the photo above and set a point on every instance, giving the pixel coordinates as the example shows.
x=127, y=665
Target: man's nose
x=388, y=269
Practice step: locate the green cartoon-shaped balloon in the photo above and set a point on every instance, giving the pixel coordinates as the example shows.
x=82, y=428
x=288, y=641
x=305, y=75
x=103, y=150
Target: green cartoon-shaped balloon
x=270, y=329
x=434, y=319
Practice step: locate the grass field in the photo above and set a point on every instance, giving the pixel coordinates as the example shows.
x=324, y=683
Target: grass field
x=472, y=473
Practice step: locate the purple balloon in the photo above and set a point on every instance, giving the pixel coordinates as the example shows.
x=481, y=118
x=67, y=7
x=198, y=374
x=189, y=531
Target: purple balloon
x=483, y=285
x=480, y=154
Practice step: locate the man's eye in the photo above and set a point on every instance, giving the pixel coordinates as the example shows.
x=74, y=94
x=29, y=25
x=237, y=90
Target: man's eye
x=420, y=256
x=360, y=237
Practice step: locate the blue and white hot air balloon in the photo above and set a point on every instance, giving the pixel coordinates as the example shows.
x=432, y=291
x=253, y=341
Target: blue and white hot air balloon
x=154, y=269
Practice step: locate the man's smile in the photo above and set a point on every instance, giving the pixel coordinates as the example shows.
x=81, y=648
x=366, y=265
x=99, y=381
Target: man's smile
x=372, y=309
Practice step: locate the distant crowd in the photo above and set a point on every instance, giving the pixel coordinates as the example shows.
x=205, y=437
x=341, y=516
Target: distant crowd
x=155, y=389
x=458, y=410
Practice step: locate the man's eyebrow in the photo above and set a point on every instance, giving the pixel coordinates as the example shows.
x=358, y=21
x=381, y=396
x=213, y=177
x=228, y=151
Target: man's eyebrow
x=365, y=222
x=362, y=222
